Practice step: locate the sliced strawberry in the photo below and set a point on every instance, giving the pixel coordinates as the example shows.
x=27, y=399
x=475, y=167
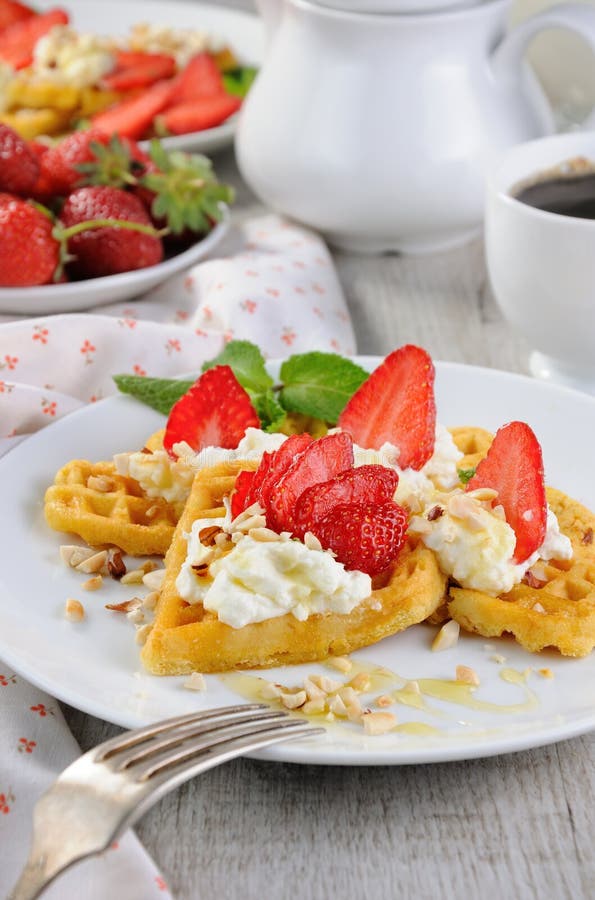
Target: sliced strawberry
x=396, y=405
x=11, y=11
x=320, y=461
x=197, y=115
x=200, y=78
x=272, y=467
x=132, y=118
x=364, y=536
x=17, y=42
x=126, y=59
x=242, y=487
x=144, y=73
x=215, y=412
x=365, y=484
x=514, y=467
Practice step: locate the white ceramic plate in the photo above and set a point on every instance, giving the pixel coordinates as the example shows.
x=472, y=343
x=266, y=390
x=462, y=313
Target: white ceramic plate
x=95, y=666
x=81, y=295
x=242, y=31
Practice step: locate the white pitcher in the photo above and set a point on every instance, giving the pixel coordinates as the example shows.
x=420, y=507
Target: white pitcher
x=377, y=129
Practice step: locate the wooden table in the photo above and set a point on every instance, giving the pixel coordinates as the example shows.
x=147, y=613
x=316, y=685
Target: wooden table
x=517, y=826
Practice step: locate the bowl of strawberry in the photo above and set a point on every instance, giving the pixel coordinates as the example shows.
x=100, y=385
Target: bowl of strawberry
x=95, y=219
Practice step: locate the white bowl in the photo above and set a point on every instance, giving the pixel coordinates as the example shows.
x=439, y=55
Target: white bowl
x=82, y=295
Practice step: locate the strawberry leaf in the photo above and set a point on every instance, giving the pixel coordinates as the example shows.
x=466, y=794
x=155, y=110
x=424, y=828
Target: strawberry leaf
x=319, y=384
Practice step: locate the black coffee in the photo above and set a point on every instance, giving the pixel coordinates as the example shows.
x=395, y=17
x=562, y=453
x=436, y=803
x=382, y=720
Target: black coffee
x=567, y=195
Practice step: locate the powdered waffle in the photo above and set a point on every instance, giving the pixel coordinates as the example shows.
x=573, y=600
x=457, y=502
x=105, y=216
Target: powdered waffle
x=188, y=638
x=122, y=516
x=556, y=609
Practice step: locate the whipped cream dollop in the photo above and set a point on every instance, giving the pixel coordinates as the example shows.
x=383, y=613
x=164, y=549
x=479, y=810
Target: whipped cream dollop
x=474, y=544
x=65, y=56
x=259, y=580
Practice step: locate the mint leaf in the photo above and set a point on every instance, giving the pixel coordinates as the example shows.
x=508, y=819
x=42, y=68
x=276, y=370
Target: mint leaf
x=158, y=393
x=270, y=412
x=247, y=364
x=466, y=475
x=319, y=384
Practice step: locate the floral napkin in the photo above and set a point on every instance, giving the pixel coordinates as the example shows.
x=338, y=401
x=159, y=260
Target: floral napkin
x=273, y=283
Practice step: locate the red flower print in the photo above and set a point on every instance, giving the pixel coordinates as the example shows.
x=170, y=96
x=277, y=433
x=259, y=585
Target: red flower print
x=5, y=801
x=288, y=336
x=200, y=332
x=228, y=335
x=207, y=312
x=138, y=370
x=40, y=334
x=42, y=710
x=87, y=349
x=249, y=305
x=219, y=286
x=114, y=845
x=26, y=746
x=5, y=680
x=299, y=290
x=272, y=292
x=318, y=288
x=160, y=883
x=10, y=362
x=318, y=312
x=335, y=344
x=342, y=315
x=48, y=407
x=277, y=268
x=251, y=273
x=127, y=323
x=93, y=399
x=181, y=315
x=299, y=264
x=320, y=261
x=188, y=282
x=173, y=344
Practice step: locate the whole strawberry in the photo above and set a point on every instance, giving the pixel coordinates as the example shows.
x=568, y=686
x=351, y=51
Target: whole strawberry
x=19, y=167
x=128, y=242
x=29, y=254
x=92, y=157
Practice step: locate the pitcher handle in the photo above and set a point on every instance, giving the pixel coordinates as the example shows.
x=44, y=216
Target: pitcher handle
x=508, y=57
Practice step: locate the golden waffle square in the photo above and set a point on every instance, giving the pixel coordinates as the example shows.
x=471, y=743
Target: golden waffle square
x=109, y=510
x=555, y=610
x=188, y=638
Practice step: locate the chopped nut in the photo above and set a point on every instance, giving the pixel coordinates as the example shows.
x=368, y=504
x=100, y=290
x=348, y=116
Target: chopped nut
x=538, y=608
x=587, y=537
x=136, y=616
x=461, y=506
x=384, y=700
x=154, y=580
x=143, y=633
x=150, y=601
x=208, y=534
x=337, y=707
x=311, y=541
x=265, y=535
x=378, y=722
x=125, y=606
x=313, y=691
x=499, y=512
x=531, y=579
x=348, y=695
x=467, y=675
x=361, y=682
x=340, y=663
x=92, y=584
x=412, y=687
x=314, y=706
x=293, y=701
x=73, y=555
x=134, y=576
x=93, y=564
x=330, y=717
x=116, y=565
x=121, y=463
x=222, y=540
x=149, y=565
x=152, y=511
x=101, y=483
x=419, y=525
x=326, y=684
x=545, y=673
x=447, y=637
x=435, y=513
x=483, y=494
x=201, y=570
x=196, y=682
x=74, y=610
x=498, y=658
x=270, y=691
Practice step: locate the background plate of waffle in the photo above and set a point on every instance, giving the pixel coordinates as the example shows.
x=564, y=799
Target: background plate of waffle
x=94, y=665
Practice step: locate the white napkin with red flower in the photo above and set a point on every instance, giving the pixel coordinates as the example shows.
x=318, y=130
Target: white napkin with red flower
x=273, y=283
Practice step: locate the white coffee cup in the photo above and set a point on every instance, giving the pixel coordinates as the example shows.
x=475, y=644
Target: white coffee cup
x=542, y=264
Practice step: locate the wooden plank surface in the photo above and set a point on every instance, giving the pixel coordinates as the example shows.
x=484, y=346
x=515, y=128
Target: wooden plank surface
x=517, y=826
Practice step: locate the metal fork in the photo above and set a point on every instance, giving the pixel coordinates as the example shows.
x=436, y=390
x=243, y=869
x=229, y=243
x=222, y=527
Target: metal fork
x=107, y=789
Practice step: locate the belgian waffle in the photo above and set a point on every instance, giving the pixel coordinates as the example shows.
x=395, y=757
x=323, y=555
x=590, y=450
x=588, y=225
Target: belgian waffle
x=187, y=637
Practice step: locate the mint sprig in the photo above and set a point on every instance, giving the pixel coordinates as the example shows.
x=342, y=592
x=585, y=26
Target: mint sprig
x=315, y=384
x=465, y=475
